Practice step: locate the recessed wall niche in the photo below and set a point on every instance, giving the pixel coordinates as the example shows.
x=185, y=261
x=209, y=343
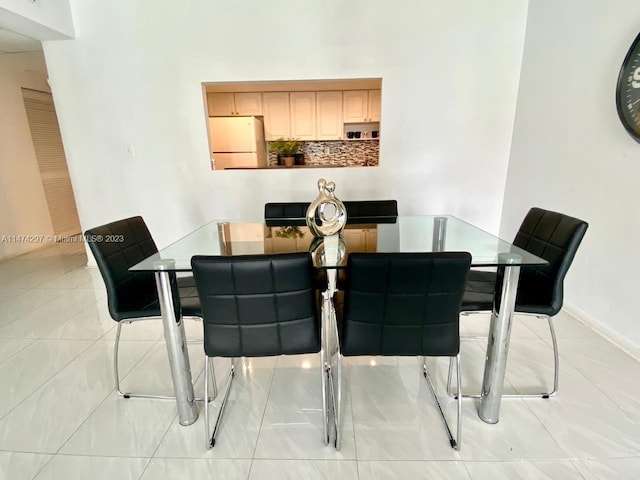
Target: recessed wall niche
x=325, y=123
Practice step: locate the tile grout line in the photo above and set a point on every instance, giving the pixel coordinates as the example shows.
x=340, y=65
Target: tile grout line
x=39, y=387
x=106, y=397
x=353, y=422
x=266, y=404
x=37, y=307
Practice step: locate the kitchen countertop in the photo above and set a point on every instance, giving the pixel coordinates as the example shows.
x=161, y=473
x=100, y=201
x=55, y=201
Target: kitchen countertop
x=279, y=167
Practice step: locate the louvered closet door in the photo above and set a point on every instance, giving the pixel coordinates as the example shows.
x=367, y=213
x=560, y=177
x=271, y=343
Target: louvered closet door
x=45, y=133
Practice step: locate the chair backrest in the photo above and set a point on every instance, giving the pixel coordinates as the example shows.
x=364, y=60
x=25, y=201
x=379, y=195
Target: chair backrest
x=554, y=237
x=117, y=246
x=403, y=303
x=378, y=211
x=365, y=211
x=257, y=305
x=285, y=213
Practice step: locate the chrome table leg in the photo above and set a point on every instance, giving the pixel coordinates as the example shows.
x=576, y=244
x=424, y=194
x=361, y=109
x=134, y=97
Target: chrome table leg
x=498, y=344
x=439, y=234
x=175, y=340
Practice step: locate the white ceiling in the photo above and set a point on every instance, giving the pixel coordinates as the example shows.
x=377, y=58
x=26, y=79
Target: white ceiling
x=11, y=42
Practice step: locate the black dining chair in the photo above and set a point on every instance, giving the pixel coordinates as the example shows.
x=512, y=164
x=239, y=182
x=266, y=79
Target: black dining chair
x=402, y=304
x=256, y=306
x=371, y=211
x=285, y=213
x=360, y=211
x=133, y=296
x=549, y=235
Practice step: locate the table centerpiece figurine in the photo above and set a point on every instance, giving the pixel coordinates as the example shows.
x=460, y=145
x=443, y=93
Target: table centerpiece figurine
x=326, y=215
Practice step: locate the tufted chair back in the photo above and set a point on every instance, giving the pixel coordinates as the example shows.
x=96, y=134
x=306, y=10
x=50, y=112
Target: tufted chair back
x=117, y=246
x=403, y=303
x=257, y=305
x=556, y=238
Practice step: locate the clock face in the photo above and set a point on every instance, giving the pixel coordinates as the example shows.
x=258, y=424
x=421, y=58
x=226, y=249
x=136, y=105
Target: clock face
x=628, y=91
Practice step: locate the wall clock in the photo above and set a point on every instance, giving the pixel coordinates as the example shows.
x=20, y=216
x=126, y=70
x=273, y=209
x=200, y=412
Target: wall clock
x=628, y=91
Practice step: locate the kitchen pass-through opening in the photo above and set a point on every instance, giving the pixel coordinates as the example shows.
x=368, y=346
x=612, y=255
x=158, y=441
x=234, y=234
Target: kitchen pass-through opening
x=294, y=124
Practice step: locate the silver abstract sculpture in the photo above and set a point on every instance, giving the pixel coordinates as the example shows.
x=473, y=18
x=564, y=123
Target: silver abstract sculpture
x=327, y=253
x=326, y=215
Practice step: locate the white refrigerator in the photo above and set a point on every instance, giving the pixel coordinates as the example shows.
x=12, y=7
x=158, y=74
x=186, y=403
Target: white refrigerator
x=237, y=142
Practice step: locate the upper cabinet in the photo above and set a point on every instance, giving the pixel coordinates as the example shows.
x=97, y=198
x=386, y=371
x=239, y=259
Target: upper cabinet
x=230, y=104
x=374, y=105
x=303, y=115
x=328, y=112
x=329, y=115
x=361, y=106
x=277, y=120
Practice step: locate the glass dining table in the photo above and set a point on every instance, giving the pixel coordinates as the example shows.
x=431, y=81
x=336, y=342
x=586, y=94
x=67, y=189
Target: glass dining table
x=403, y=234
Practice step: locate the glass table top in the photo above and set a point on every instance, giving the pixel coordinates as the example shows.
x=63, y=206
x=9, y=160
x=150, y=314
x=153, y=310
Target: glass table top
x=408, y=234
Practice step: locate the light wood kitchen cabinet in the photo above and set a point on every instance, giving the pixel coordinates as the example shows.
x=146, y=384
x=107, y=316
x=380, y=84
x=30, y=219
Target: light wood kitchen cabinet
x=360, y=239
x=374, y=105
x=277, y=120
x=275, y=244
x=361, y=106
x=329, y=115
x=303, y=115
x=231, y=104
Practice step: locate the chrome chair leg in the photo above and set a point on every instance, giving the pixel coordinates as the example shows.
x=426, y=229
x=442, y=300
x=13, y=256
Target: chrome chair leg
x=336, y=397
x=116, y=371
x=213, y=379
x=333, y=348
x=211, y=440
x=556, y=360
x=556, y=371
x=115, y=363
x=324, y=365
x=338, y=405
x=325, y=413
x=454, y=442
x=207, y=365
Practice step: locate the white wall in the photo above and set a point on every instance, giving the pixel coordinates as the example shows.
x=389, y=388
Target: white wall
x=23, y=206
x=450, y=73
x=571, y=154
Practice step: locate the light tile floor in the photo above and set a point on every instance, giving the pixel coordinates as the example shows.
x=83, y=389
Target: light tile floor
x=61, y=419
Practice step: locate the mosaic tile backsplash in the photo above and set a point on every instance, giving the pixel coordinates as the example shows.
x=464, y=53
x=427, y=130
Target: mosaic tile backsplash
x=346, y=153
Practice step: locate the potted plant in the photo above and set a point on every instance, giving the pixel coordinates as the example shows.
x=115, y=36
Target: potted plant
x=289, y=232
x=286, y=149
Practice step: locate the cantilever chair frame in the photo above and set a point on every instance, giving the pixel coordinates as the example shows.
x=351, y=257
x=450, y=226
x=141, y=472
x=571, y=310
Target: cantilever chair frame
x=336, y=396
x=556, y=364
x=116, y=370
x=209, y=377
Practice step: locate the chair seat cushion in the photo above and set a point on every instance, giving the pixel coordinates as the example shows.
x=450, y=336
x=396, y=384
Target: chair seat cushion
x=478, y=295
x=189, y=301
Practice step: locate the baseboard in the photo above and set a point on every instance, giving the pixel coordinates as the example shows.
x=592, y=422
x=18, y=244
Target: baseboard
x=32, y=248
x=604, y=330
